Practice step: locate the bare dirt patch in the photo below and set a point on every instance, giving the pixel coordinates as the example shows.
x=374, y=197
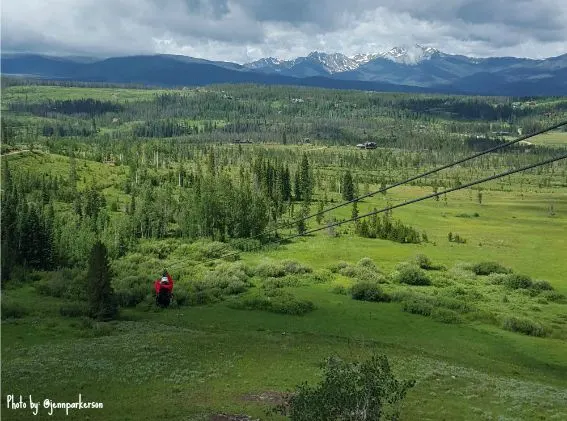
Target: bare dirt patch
x=226, y=417
x=273, y=398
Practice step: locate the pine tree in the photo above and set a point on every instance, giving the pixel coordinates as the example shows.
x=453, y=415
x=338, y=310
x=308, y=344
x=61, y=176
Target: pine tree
x=102, y=302
x=348, y=186
x=297, y=186
x=320, y=209
x=306, y=181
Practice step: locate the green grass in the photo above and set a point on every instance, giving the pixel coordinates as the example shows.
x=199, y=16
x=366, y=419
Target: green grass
x=35, y=94
x=189, y=362
x=556, y=139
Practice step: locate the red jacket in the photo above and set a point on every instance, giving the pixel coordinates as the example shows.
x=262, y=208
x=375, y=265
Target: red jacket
x=169, y=286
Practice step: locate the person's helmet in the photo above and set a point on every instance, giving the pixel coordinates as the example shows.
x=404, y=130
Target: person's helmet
x=164, y=280
x=164, y=273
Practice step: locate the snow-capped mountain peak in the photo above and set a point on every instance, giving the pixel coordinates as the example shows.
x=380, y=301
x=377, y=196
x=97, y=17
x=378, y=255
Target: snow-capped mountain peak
x=337, y=62
x=265, y=62
x=334, y=63
x=363, y=58
x=410, y=55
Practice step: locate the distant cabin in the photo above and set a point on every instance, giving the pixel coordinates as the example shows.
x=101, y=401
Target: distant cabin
x=367, y=145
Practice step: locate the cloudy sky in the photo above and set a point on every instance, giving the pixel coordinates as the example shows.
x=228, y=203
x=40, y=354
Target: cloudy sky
x=245, y=30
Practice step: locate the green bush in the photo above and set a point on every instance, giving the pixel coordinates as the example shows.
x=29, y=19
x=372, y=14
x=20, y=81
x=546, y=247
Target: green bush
x=525, y=326
x=497, y=278
x=349, y=391
x=367, y=275
x=226, y=273
x=160, y=249
x=131, y=297
x=321, y=276
x=207, y=296
x=335, y=268
x=204, y=250
x=417, y=305
x=444, y=315
x=517, y=281
x=132, y=290
x=486, y=268
x=245, y=244
x=286, y=281
x=12, y=309
x=64, y=283
x=339, y=289
x=181, y=296
x=367, y=263
x=74, y=310
x=269, y=270
x=452, y=304
x=412, y=275
x=282, y=303
x=367, y=291
x=422, y=261
x=294, y=268
x=553, y=296
x=542, y=286
x=236, y=287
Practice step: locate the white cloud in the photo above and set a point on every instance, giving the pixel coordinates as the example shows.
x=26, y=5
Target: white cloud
x=244, y=30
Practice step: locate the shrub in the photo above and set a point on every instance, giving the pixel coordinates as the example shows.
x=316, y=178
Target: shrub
x=417, y=305
x=349, y=271
x=367, y=275
x=412, y=275
x=269, y=270
x=207, y=296
x=542, y=286
x=453, y=304
x=497, y=278
x=486, y=268
x=245, y=244
x=516, y=281
x=74, y=310
x=444, y=315
x=321, y=276
x=368, y=263
x=349, y=391
x=553, y=296
x=65, y=283
x=12, y=310
x=339, y=289
x=287, y=281
x=293, y=267
x=236, y=287
x=160, y=249
x=181, y=296
x=525, y=326
x=367, y=291
x=335, y=268
x=225, y=274
x=131, y=297
x=282, y=303
x=422, y=261
x=400, y=295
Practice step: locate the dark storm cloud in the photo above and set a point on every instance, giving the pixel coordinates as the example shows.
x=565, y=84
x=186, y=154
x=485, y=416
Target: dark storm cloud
x=246, y=29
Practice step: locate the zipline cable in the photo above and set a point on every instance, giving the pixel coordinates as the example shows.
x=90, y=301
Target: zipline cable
x=416, y=177
x=399, y=205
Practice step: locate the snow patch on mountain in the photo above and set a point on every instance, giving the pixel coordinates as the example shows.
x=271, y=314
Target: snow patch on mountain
x=337, y=62
x=411, y=55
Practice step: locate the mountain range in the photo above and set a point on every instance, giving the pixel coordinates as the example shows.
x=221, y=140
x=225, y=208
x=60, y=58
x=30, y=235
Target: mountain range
x=404, y=69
